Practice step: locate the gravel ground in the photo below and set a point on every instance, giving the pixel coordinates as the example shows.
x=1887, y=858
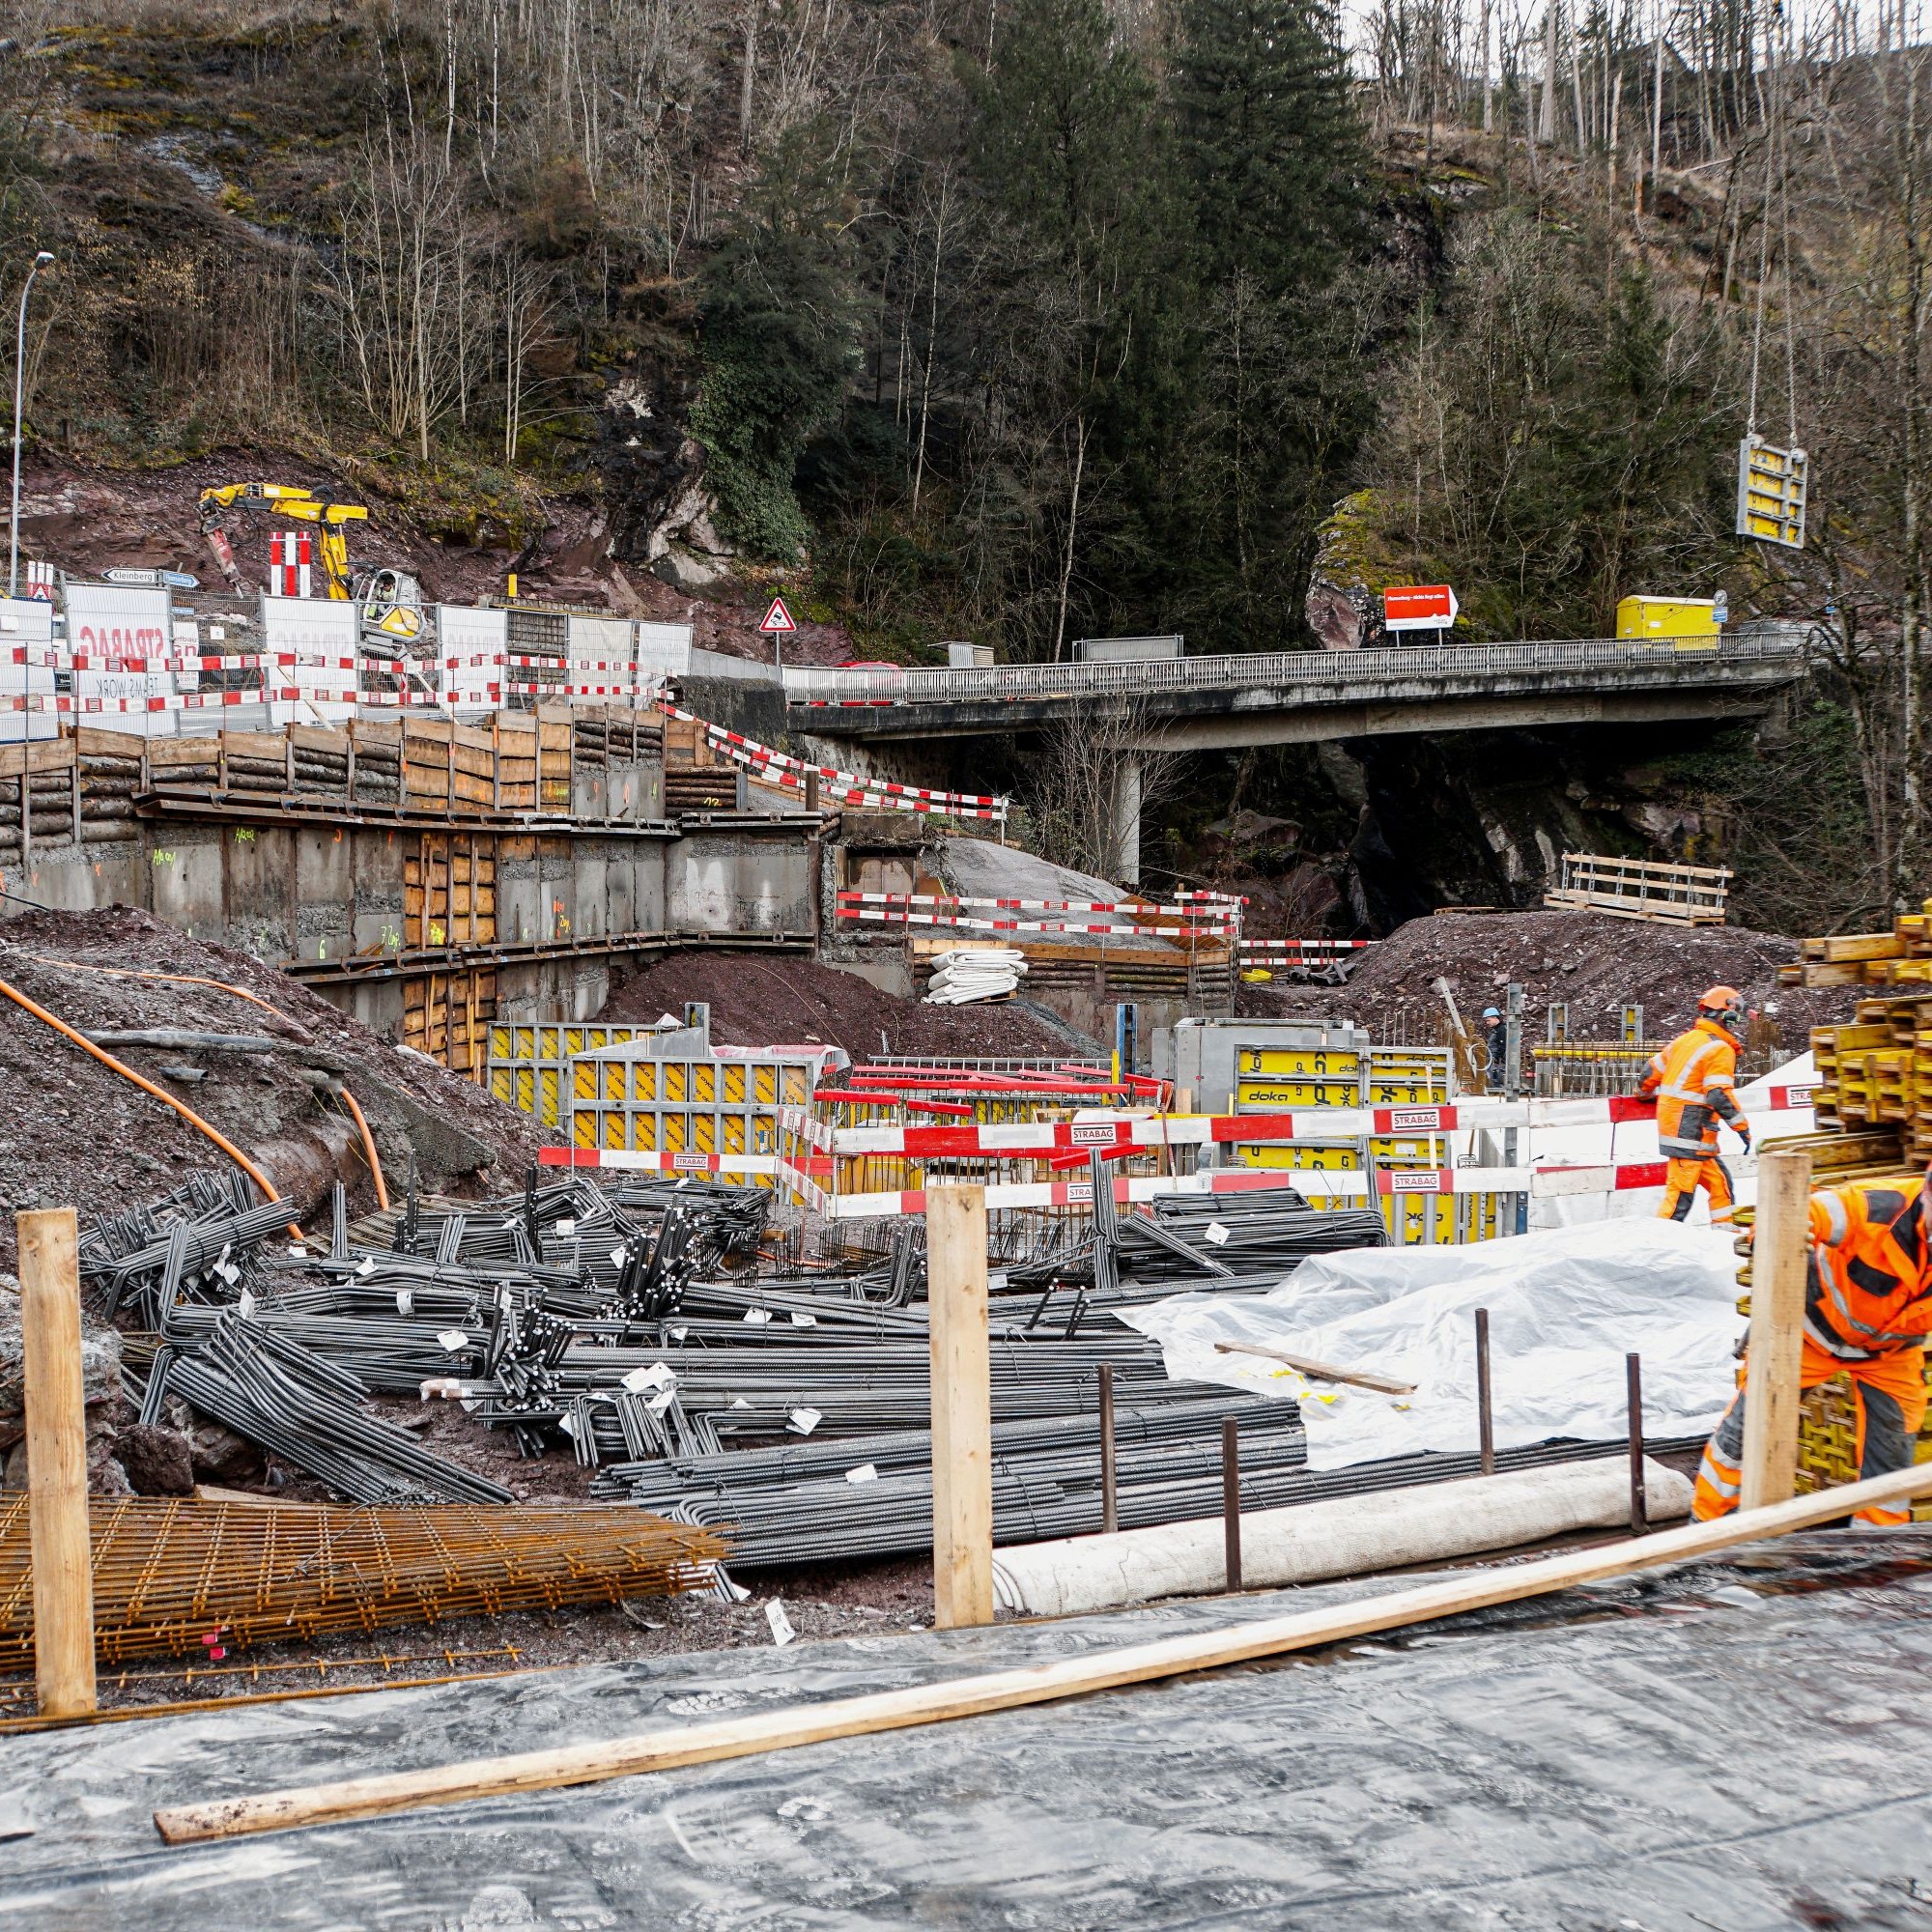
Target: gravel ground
x=1589, y=961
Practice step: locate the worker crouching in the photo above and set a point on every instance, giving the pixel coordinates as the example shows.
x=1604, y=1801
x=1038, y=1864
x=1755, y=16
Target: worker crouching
x=1867, y=1312
x=1694, y=1079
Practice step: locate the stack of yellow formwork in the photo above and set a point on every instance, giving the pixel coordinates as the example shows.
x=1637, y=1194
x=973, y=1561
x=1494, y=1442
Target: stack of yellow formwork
x=1874, y=1119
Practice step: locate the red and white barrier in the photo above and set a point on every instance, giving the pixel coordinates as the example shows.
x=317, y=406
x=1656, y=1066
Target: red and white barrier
x=1296, y=951
x=628, y=1160
x=837, y=787
x=39, y=583
x=290, y=564
x=1129, y=917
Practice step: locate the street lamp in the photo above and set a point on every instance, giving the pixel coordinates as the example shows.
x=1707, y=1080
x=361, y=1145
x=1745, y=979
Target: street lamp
x=40, y=261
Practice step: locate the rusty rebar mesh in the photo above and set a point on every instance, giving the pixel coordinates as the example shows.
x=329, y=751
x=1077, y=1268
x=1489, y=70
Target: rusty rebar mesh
x=168, y=1574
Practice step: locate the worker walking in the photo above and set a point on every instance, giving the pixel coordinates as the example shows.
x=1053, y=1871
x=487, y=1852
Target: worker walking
x=1867, y=1312
x=1495, y=1049
x=1695, y=1080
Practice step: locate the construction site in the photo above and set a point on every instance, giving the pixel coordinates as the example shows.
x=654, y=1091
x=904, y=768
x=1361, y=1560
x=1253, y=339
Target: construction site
x=619, y=1317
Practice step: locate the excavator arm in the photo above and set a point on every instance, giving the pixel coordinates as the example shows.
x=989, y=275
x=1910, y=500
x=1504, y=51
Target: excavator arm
x=298, y=506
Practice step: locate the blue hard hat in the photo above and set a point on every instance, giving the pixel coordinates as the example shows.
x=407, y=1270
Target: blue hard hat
x=1492, y=1012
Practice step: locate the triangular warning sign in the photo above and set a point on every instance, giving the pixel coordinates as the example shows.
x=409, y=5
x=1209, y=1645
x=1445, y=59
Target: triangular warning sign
x=777, y=617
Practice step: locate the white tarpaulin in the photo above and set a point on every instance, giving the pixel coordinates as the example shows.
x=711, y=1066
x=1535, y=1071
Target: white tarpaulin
x=1565, y=1305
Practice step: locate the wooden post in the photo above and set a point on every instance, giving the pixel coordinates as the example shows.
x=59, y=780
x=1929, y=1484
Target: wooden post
x=62, y=1557
x=1780, y=1251
x=1485, y=1433
x=1231, y=1499
x=1110, y=1497
x=962, y=1407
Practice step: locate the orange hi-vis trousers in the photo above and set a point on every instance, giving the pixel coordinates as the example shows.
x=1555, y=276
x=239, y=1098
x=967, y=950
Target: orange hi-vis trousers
x=1682, y=1180
x=1889, y=1393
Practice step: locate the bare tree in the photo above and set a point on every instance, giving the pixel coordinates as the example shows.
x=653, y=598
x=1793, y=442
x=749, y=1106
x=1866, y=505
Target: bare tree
x=1096, y=775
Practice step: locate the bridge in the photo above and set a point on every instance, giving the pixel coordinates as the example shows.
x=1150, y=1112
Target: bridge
x=1280, y=698
x=1211, y=703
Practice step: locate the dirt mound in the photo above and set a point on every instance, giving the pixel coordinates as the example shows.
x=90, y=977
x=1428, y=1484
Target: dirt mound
x=789, y=1001
x=77, y=1134
x=1588, y=961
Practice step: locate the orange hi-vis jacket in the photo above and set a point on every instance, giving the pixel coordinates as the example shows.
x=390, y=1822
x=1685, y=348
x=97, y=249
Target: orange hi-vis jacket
x=1869, y=1291
x=1694, y=1079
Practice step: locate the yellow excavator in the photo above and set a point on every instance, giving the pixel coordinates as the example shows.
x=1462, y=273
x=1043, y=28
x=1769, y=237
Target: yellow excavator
x=390, y=600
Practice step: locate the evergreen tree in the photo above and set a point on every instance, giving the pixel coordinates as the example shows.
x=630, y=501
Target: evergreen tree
x=1270, y=140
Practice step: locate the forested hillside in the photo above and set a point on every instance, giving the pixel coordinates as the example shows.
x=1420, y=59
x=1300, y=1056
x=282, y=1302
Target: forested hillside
x=1025, y=319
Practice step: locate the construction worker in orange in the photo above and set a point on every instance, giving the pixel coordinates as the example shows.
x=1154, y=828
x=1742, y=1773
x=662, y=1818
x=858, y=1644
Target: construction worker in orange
x=1694, y=1079
x=1867, y=1312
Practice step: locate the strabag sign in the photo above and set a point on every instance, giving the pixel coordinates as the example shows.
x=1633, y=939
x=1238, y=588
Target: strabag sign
x=111, y=624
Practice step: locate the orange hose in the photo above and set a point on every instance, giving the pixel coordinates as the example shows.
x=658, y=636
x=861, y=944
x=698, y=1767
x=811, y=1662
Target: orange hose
x=126, y=1072
x=368, y=1148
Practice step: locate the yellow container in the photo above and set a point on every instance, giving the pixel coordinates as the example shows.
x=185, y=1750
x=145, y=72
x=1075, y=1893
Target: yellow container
x=1671, y=619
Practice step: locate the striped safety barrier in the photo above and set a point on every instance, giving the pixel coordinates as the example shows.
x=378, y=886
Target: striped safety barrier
x=1129, y=920
x=840, y=787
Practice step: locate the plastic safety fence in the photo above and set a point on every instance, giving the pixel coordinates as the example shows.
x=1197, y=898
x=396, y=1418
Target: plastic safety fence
x=169, y=1575
x=837, y=787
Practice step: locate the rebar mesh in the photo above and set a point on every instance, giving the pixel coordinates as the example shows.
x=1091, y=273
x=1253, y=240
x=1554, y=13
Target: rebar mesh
x=168, y=1575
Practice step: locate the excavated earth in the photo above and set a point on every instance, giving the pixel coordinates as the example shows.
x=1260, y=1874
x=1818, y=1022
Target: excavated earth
x=79, y=1134
x=791, y=1001
x=1590, y=962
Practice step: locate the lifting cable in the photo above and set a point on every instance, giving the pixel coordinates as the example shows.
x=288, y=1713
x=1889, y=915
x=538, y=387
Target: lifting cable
x=1776, y=182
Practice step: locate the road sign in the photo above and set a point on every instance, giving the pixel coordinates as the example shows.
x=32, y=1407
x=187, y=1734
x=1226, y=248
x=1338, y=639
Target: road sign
x=1770, y=492
x=1419, y=607
x=778, y=619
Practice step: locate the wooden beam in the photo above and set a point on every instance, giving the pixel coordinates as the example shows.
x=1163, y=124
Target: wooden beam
x=1320, y=1372
x=1780, y=1247
x=1012, y=1689
x=61, y=1553
x=962, y=1407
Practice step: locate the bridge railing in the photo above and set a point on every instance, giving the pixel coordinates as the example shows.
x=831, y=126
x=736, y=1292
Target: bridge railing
x=1696, y=660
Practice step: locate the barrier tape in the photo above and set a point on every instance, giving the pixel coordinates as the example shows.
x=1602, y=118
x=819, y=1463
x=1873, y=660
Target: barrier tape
x=967, y=922
x=1143, y=907
x=852, y=788
x=629, y=1160
x=1150, y=1133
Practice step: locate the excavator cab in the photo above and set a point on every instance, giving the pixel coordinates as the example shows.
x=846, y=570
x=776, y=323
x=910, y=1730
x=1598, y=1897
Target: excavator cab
x=391, y=610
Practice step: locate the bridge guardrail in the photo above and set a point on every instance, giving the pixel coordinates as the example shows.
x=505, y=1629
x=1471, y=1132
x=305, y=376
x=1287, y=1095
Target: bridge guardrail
x=1765, y=643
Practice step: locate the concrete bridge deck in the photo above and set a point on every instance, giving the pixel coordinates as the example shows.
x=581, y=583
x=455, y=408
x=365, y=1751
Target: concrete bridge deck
x=1296, y=697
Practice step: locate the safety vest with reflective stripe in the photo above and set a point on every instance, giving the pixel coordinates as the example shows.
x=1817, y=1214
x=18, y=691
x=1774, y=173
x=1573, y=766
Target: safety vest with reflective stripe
x=1869, y=1289
x=1694, y=1079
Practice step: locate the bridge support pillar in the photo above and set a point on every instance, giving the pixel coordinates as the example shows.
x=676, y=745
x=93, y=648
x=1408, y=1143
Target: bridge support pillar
x=1127, y=820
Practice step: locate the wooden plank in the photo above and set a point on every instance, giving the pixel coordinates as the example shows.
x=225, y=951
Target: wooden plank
x=1781, y=1246
x=962, y=1407
x=1855, y=946
x=669, y=1747
x=1320, y=1372
x=61, y=1553
x=45, y=755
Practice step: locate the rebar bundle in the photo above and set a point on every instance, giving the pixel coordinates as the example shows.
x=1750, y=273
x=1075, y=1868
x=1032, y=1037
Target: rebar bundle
x=169, y=1575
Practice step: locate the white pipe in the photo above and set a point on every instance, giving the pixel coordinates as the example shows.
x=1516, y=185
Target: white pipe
x=1346, y=1536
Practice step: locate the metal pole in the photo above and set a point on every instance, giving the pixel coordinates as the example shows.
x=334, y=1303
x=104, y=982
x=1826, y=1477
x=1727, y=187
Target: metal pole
x=1485, y=1433
x=1110, y=1494
x=1231, y=1498
x=20, y=390
x=1512, y=1088
x=1639, y=1501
